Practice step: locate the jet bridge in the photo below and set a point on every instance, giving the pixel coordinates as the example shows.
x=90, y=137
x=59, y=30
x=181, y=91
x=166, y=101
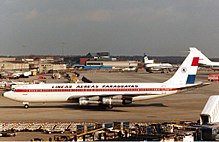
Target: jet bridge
x=210, y=113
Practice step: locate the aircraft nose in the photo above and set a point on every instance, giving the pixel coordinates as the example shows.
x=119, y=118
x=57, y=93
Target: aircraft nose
x=8, y=94
x=4, y=94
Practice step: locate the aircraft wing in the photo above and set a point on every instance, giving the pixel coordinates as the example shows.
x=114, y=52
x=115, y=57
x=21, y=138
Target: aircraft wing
x=98, y=97
x=110, y=99
x=103, y=99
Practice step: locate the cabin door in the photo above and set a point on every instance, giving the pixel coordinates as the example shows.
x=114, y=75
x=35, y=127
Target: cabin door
x=163, y=89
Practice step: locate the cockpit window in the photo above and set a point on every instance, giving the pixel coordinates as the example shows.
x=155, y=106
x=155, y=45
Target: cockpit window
x=12, y=89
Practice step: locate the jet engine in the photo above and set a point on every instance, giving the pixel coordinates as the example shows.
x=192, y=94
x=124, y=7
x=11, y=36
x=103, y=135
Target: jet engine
x=111, y=101
x=108, y=101
x=86, y=101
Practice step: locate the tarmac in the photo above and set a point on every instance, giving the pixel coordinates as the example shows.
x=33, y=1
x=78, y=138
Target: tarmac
x=183, y=106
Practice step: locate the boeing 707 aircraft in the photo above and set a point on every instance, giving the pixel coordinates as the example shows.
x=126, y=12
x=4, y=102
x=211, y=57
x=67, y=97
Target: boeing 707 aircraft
x=108, y=94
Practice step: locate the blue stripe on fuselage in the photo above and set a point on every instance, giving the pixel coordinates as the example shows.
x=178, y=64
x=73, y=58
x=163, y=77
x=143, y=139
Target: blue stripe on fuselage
x=191, y=79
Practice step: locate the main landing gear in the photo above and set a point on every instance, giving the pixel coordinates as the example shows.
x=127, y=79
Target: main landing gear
x=26, y=105
x=103, y=106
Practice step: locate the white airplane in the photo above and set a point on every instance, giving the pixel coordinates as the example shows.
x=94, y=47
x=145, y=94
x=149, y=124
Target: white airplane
x=108, y=94
x=150, y=66
x=205, y=62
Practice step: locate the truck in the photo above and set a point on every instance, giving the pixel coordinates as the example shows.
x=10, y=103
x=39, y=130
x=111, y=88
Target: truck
x=213, y=77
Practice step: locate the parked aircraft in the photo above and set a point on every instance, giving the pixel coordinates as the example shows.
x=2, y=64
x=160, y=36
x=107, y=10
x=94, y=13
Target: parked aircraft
x=108, y=94
x=205, y=62
x=150, y=66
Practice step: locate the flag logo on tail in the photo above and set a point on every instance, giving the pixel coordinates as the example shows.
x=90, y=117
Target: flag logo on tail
x=191, y=77
x=195, y=61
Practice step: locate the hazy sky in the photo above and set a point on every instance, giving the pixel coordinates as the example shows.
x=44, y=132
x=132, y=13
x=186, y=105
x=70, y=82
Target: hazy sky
x=122, y=27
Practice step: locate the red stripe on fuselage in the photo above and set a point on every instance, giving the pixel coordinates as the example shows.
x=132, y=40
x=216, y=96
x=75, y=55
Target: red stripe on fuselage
x=195, y=61
x=96, y=90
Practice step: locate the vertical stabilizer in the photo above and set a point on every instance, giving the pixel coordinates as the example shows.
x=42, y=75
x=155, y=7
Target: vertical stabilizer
x=147, y=61
x=186, y=73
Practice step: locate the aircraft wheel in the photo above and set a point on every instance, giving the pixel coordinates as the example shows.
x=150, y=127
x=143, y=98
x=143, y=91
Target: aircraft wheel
x=106, y=106
x=26, y=106
x=110, y=107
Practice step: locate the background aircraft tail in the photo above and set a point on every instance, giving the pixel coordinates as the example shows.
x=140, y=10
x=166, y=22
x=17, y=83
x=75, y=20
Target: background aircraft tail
x=186, y=73
x=147, y=61
x=203, y=59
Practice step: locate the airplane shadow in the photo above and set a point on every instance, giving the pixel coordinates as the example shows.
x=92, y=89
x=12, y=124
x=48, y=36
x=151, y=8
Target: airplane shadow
x=93, y=108
x=115, y=107
x=88, y=108
x=71, y=106
x=145, y=105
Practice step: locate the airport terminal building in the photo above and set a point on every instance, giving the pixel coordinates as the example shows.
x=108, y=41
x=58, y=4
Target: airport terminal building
x=104, y=60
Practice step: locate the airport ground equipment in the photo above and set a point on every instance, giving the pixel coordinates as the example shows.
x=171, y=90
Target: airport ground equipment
x=210, y=113
x=213, y=77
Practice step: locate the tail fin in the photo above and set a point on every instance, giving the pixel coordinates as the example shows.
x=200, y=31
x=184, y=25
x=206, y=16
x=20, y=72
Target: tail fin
x=203, y=59
x=186, y=73
x=146, y=60
x=145, y=56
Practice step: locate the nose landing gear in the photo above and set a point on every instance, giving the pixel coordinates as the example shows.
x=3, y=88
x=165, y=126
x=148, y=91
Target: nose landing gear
x=26, y=105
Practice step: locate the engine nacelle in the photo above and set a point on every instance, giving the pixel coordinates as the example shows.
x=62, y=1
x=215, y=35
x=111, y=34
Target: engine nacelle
x=85, y=102
x=95, y=98
x=110, y=101
x=105, y=101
